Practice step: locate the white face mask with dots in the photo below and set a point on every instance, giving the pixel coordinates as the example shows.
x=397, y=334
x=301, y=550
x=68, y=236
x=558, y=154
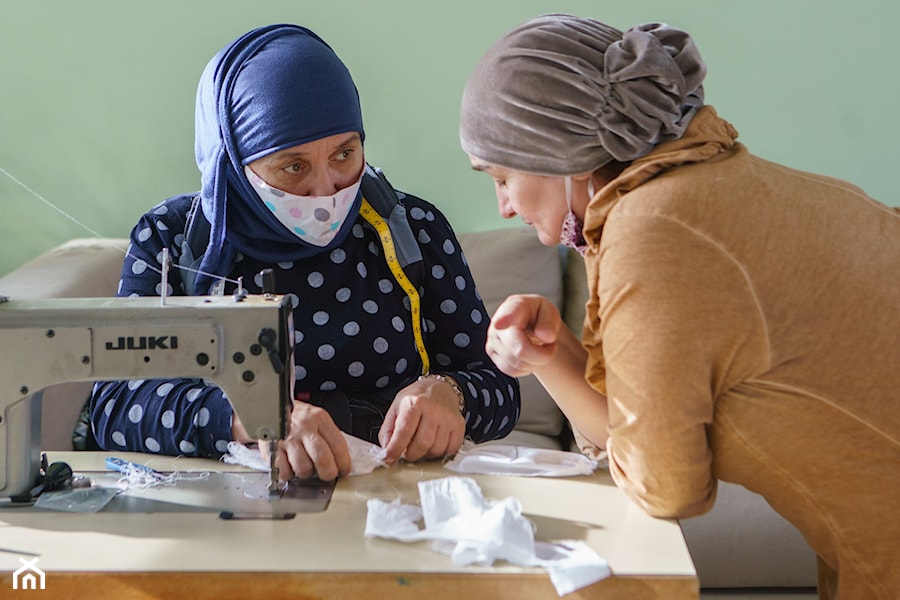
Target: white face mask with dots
x=313, y=219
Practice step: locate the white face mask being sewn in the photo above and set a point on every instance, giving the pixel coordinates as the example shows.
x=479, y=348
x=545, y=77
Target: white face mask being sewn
x=313, y=219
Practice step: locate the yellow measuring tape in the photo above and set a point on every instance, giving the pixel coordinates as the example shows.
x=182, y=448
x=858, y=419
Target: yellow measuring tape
x=390, y=255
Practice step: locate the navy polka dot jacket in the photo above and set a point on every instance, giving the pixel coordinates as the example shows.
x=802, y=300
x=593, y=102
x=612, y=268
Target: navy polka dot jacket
x=354, y=340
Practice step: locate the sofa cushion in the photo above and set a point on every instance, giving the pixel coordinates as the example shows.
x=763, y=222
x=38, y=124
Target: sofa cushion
x=513, y=261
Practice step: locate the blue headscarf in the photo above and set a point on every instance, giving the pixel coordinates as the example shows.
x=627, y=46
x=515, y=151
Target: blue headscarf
x=273, y=88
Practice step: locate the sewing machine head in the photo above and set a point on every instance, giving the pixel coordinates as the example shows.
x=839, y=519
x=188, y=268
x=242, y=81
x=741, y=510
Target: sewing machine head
x=243, y=344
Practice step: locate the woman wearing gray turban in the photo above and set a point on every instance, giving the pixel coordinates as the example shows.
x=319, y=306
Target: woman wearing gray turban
x=742, y=319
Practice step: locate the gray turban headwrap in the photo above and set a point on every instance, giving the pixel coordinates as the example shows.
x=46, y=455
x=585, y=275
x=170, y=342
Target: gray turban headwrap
x=562, y=95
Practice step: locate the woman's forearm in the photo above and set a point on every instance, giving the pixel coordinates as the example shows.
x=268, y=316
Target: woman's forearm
x=564, y=380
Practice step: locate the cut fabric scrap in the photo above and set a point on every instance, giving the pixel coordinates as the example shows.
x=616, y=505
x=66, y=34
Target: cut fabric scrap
x=571, y=565
x=365, y=456
x=474, y=531
x=500, y=459
x=239, y=454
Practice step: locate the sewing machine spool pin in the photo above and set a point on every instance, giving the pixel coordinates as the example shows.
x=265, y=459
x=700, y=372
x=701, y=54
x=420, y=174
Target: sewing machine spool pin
x=164, y=278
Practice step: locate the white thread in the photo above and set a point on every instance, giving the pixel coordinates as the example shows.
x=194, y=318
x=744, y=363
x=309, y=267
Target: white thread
x=136, y=477
x=50, y=204
x=101, y=237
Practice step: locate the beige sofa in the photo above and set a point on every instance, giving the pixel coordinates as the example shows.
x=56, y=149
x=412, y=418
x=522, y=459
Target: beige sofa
x=742, y=549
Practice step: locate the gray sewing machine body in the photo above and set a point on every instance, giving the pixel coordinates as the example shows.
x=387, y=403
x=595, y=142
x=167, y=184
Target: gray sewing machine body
x=243, y=345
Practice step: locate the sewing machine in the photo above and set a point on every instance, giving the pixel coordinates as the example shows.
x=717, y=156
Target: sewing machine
x=243, y=344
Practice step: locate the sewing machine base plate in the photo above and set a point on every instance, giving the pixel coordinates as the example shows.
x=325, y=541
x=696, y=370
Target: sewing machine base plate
x=217, y=492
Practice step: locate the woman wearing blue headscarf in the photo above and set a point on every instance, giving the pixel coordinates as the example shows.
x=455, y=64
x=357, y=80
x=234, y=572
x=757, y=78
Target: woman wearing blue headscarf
x=285, y=186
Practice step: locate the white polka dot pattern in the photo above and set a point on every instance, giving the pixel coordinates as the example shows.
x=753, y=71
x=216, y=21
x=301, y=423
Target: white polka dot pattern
x=353, y=333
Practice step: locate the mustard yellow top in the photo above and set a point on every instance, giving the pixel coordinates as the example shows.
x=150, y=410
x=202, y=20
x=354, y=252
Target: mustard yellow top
x=744, y=322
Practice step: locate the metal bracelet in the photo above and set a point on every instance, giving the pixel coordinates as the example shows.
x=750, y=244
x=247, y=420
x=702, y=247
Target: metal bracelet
x=456, y=389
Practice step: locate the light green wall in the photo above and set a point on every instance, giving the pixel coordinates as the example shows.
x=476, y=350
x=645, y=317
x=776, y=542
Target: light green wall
x=96, y=96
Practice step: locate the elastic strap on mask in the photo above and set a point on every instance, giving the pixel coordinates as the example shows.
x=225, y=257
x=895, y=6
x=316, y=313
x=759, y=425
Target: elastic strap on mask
x=390, y=254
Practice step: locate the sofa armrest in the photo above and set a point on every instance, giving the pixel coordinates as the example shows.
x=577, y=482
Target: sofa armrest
x=79, y=268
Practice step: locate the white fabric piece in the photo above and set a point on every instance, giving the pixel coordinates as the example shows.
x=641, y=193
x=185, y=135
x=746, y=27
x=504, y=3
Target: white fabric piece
x=499, y=459
x=365, y=456
x=571, y=565
x=239, y=454
x=472, y=530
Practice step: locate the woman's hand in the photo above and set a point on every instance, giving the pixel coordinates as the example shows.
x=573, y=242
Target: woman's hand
x=523, y=334
x=527, y=336
x=424, y=421
x=314, y=445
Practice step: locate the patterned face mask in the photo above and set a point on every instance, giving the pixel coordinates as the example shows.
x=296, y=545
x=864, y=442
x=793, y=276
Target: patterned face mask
x=572, y=227
x=313, y=219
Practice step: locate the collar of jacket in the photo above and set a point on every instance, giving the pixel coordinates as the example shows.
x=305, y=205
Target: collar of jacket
x=707, y=136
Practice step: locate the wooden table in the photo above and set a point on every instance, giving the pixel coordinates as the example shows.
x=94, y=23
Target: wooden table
x=325, y=554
